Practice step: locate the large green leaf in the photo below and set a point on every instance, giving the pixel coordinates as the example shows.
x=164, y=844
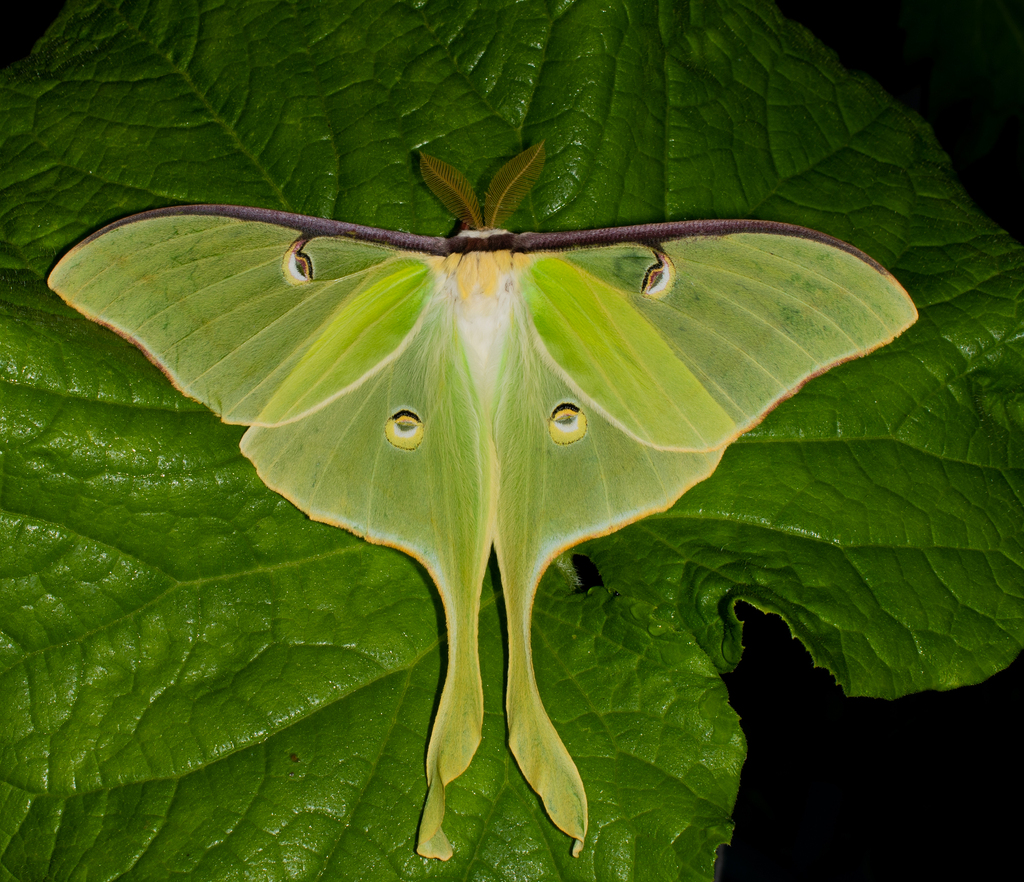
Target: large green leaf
x=196, y=680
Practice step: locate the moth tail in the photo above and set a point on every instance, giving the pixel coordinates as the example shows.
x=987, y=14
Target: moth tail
x=431, y=841
x=456, y=733
x=542, y=758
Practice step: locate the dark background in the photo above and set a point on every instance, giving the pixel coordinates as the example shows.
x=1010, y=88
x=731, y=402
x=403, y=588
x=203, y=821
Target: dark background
x=840, y=789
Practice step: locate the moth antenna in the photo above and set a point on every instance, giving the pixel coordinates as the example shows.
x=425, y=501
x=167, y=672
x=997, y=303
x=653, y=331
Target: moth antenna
x=452, y=187
x=511, y=184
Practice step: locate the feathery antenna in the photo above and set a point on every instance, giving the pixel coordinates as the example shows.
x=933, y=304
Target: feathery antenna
x=508, y=188
x=511, y=184
x=450, y=185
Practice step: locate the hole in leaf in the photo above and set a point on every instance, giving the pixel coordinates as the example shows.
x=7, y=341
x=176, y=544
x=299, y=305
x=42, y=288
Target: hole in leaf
x=587, y=573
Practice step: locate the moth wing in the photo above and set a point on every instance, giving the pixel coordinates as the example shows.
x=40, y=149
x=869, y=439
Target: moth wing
x=686, y=343
x=257, y=320
x=552, y=493
x=425, y=488
x=634, y=366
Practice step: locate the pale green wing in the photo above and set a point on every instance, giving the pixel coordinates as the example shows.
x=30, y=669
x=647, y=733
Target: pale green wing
x=427, y=489
x=552, y=493
x=685, y=344
x=261, y=322
x=629, y=372
x=344, y=359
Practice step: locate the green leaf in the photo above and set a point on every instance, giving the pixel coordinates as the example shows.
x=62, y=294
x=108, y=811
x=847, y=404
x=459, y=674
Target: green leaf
x=197, y=680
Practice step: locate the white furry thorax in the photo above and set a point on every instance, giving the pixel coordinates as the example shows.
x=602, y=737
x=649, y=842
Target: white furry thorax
x=483, y=290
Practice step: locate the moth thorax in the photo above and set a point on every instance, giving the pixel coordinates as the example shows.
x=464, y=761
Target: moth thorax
x=475, y=276
x=482, y=287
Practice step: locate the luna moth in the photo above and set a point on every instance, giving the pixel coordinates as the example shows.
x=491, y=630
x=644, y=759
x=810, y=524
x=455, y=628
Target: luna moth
x=521, y=391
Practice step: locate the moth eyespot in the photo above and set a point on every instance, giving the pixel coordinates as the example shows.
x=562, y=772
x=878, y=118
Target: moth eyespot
x=404, y=430
x=298, y=268
x=658, y=277
x=567, y=423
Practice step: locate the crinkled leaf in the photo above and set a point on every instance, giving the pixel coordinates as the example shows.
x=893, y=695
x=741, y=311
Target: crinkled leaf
x=196, y=680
